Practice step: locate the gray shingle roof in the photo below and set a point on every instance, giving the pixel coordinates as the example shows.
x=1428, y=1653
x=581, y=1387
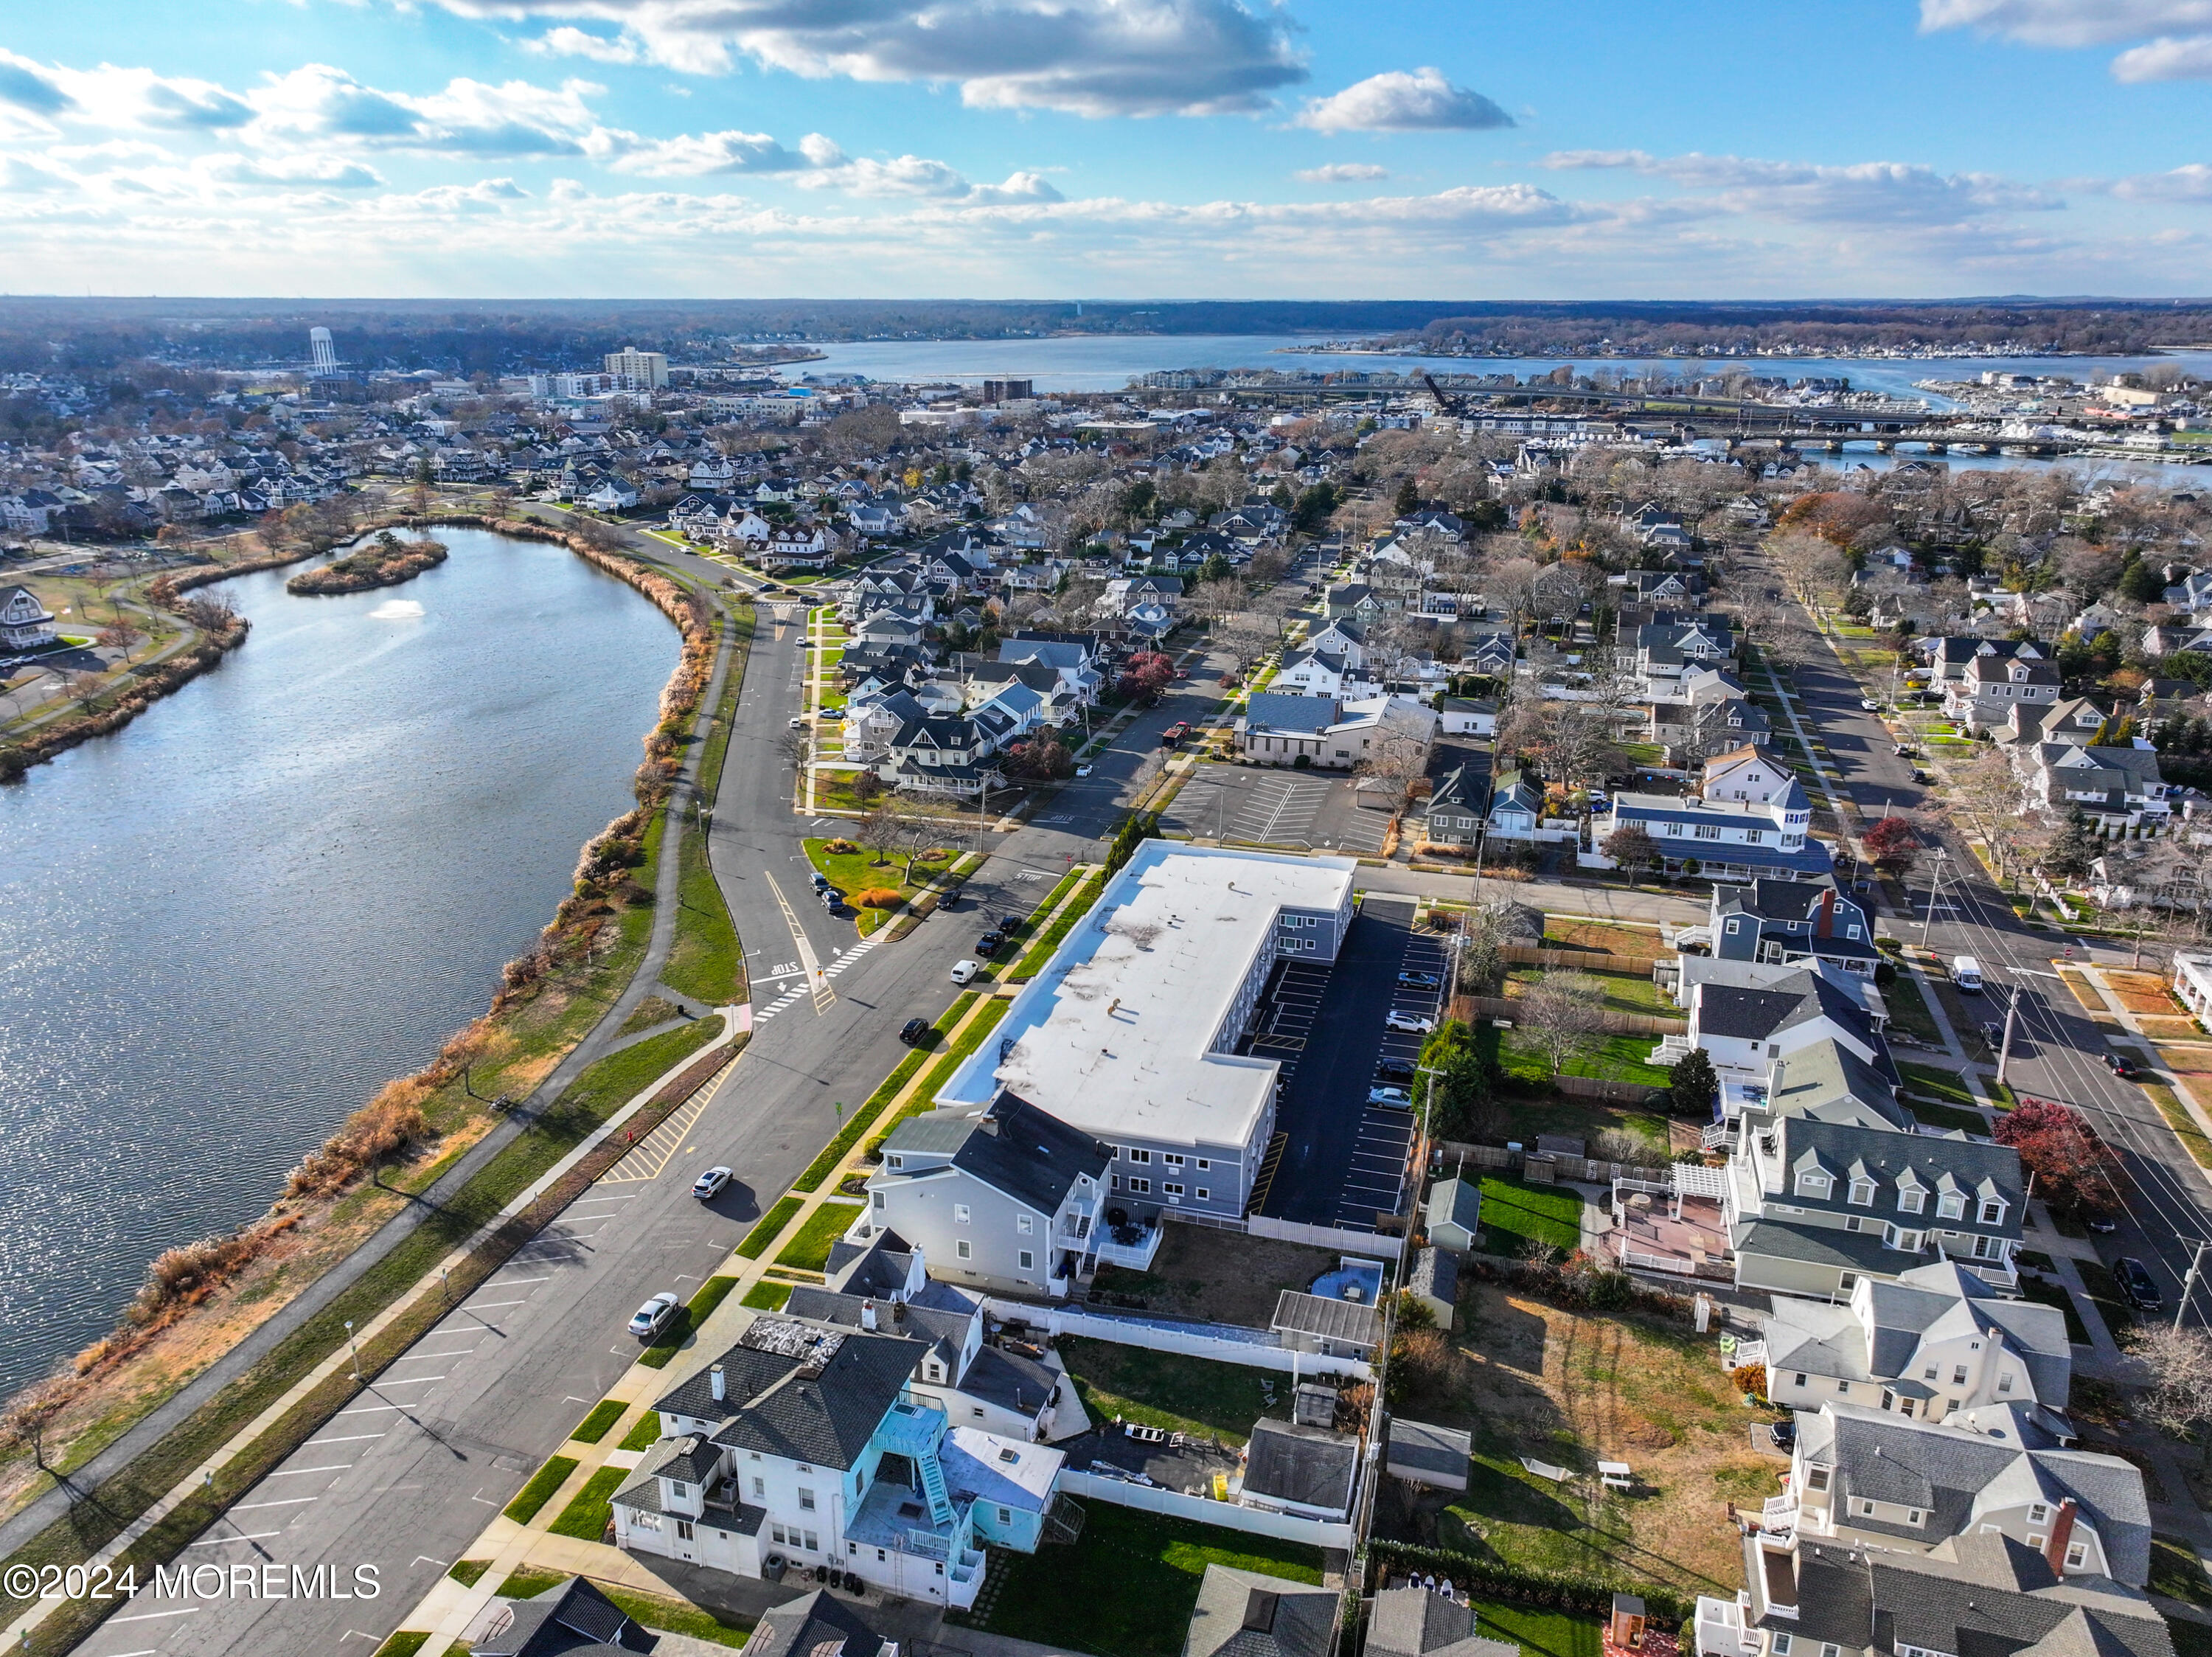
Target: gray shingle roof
x=782, y=1404
x=1416, y=1623
x=1245, y=1614
x=803, y=1625
x=1310, y=1465
x=1010, y=1146
x=570, y=1619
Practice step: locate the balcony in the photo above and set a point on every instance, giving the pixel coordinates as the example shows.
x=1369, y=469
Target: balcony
x=1137, y=1254
x=1997, y=1273
x=1720, y=1628
x=1671, y=1050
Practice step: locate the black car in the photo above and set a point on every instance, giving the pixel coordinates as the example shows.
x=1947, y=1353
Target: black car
x=1007, y=923
x=2138, y=1287
x=1420, y=980
x=1784, y=1431
x=914, y=1032
x=2102, y=1224
x=1993, y=1033
x=2119, y=1067
x=988, y=945
x=1393, y=1070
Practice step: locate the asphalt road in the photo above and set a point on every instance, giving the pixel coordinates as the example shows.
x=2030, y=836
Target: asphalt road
x=2056, y=1050
x=408, y=1476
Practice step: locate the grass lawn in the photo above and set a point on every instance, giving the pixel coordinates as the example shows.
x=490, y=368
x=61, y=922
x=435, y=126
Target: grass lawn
x=1513, y=1211
x=468, y=1572
x=809, y=1251
x=853, y=872
x=644, y=1434
x=1539, y=1633
x=705, y=962
x=1624, y=992
x=1945, y=1085
x=619, y=1077
x=539, y=1491
x=1127, y=1588
x=1908, y=1010
x=586, y=1517
x=1949, y=1116
x=2179, y=1573
x=2183, y=1124
x=1535, y=1381
x=1612, y=937
x=2044, y=1292
x=1164, y=1389
x=1582, y=1118
x=712, y=1294
x=1608, y=1059
x=593, y=1428
x=770, y=1223
x=405, y=1643
x=767, y=1296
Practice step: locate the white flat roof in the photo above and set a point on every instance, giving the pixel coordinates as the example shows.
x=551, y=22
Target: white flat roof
x=1112, y=1036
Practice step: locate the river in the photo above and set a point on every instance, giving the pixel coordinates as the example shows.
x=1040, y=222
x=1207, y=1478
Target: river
x=223, y=928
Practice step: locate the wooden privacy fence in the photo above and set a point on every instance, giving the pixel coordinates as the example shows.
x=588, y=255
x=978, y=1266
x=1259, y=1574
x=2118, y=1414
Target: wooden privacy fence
x=1581, y=1169
x=1592, y=961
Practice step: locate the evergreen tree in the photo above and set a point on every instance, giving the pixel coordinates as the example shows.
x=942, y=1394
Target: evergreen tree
x=2072, y=849
x=1694, y=1086
x=2144, y=582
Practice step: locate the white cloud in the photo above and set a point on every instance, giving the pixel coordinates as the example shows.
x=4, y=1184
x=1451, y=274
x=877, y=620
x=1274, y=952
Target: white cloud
x=569, y=42
x=1396, y=101
x=486, y=195
x=1342, y=172
x=917, y=175
x=2067, y=22
x=469, y=118
x=2191, y=184
x=140, y=99
x=20, y=175
x=1862, y=193
x=1098, y=59
x=324, y=171
x=2167, y=59
x=696, y=154
x=27, y=86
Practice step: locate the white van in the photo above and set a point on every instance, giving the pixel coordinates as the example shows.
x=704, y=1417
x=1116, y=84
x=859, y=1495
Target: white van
x=1966, y=972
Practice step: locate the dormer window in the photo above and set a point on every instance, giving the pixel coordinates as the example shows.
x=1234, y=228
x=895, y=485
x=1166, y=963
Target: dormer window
x=1913, y=1200
x=1862, y=1193
x=1950, y=1205
x=1993, y=1212
x=1813, y=1185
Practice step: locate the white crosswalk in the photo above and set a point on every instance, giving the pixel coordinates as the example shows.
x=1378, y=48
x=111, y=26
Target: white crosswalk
x=801, y=990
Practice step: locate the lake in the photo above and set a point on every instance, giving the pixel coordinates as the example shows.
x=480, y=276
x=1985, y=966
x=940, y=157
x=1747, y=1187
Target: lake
x=223, y=928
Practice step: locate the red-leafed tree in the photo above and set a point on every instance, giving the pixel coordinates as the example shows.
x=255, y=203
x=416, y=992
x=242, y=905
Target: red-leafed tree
x=1892, y=840
x=1040, y=758
x=1148, y=673
x=2076, y=1171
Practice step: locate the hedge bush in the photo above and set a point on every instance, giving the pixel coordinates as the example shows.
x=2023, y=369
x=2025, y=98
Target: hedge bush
x=1482, y=1579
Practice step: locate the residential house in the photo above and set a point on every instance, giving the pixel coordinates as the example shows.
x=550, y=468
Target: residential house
x=2120, y=789
x=881, y=1283
x=1310, y=673
x=1307, y=1471
x=2073, y=719
x=1352, y=601
x=1744, y=773
x=818, y=1624
x=1490, y=651
x=1461, y=716
x=1455, y=811
x=1993, y=686
x=1934, y=1342
x=938, y=754
x=25, y=624
x=1343, y=637
x=1324, y=732
x=1745, y=1031
x=1418, y=1622
x=1242, y=1613
x=806, y=1442
x=1869, y=1478
x=1005, y=1197
x=572, y=1616
x=1516, y=806
x=1949, y=657
x=1724, y=839
x=1792, y=922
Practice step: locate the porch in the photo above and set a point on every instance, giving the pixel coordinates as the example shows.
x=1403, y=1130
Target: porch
x=1661, y=1227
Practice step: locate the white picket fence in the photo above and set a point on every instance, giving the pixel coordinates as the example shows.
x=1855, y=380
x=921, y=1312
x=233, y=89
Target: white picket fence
x=1288, y=1527
x=1255, y=1349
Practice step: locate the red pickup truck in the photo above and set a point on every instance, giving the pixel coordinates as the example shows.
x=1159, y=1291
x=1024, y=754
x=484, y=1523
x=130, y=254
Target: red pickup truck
x=1174, y=734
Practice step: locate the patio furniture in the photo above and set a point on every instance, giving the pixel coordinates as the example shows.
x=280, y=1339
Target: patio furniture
x=1545, y=1470
x=1615, y=1475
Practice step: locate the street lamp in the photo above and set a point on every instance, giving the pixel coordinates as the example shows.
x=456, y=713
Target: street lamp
x=355, y=1346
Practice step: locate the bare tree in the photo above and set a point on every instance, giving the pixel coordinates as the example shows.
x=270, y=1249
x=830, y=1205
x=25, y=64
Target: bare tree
x=28, y=1418
x=1811, y=567
x=1396, y=763
x=795, y=745
x=2179, y=1398
x=1564, y=1011
x=881, y=830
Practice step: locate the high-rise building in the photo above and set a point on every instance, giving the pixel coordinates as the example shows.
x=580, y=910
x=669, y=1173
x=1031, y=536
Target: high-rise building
x=643, y=370
x=322, y=354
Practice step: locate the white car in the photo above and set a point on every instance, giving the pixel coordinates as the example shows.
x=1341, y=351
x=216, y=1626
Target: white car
x=964, y=972
x=709, y=1185
x=1419, y=1024
x=1083, y=770
x=652, y=1317
x=797, y=720
x=1397, y=1096
x=1869, y=704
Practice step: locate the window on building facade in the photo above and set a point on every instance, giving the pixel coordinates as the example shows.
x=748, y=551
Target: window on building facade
x=964, y=1249
x=960, y=1213
x=1025, y=1224
x=1028, y=1260
x=1202, y=1194
x=1141, y=1186
x=806, y=1500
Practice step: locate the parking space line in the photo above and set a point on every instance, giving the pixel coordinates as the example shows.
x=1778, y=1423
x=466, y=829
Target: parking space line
x=294, y=1501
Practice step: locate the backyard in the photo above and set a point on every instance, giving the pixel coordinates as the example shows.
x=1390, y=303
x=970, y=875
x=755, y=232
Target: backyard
x=1514, y=1215
x=1560, y=1388
x=1167, y=1390
x=1221, y=1276
x=1126, y=1587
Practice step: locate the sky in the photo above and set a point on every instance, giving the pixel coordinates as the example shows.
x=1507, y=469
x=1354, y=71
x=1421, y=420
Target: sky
x=1106, y=149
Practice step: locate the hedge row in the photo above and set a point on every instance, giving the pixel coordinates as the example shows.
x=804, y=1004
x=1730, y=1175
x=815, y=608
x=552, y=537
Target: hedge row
x=1485, y=1579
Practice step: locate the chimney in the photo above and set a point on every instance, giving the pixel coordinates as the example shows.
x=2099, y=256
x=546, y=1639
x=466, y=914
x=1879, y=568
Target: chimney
x=2061, y=1533
x=868, y=1316
x=715, y=1384
x=1826, y=928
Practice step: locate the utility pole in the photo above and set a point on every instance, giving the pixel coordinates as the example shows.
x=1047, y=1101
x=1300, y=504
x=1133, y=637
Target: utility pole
x=2189, y=1283
x=1935, y=885
x=2004, y=1049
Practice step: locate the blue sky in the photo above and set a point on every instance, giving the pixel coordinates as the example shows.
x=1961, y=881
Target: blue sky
x=1107, y=147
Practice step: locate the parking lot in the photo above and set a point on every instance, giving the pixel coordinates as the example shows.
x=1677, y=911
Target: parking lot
x=1265, y=807
x=1344, y=1161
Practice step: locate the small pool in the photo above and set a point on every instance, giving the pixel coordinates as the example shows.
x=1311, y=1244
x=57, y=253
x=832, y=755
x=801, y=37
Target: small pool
x=1352, y=1280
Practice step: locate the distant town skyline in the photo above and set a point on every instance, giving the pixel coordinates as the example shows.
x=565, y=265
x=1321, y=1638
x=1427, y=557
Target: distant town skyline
x=1120, y=148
